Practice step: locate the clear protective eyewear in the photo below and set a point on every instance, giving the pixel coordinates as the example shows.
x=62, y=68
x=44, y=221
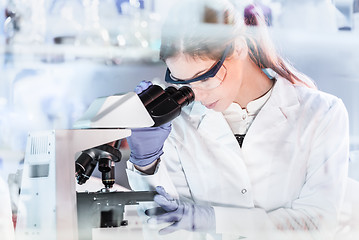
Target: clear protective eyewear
x=207, y=81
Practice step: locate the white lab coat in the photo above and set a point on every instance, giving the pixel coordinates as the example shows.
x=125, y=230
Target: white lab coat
x=289, y=174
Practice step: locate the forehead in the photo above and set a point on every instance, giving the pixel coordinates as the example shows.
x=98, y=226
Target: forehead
x=185, y=67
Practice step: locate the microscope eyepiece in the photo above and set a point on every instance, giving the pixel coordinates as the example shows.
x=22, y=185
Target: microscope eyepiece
x=151, y=94
x=183, y=96
x=165, y=105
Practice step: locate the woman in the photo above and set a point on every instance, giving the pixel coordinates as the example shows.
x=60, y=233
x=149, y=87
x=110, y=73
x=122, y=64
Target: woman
x=261, y=153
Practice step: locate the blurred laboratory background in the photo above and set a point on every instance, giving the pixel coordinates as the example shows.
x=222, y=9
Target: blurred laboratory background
x=57, y=56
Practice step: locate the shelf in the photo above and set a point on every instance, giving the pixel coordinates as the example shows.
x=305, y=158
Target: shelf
x=71, y=52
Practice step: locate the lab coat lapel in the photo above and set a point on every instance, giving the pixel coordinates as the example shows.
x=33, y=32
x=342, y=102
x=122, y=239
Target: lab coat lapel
x=212, y=124
x=276, y=113
x=226, y=160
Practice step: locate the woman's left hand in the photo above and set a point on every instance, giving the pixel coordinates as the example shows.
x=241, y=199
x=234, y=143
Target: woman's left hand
x=181, y=214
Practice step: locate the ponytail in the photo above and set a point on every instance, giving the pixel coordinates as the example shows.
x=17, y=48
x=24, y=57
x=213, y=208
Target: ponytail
x=261, y=49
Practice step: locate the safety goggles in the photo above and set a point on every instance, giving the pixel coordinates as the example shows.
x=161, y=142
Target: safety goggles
x=209, y=80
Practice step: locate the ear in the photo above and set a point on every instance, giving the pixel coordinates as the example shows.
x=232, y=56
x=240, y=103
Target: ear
x=241, y=49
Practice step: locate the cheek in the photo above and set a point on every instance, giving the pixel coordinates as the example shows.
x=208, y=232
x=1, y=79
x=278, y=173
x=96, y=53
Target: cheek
x=231, y=88
x=226, y=98
x=199, y=95
x=206, y=96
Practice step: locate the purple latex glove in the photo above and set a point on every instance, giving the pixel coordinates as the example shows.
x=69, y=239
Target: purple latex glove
x=146, y=144
x=142, y=86
x=182, y=215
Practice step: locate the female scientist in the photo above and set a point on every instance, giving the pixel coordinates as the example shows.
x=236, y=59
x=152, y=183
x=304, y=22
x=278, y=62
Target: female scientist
x=261, y=153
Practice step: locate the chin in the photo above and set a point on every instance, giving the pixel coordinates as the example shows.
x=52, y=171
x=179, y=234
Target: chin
x=220, y=108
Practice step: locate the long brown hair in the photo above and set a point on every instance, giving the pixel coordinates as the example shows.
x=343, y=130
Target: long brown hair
x=203, y=28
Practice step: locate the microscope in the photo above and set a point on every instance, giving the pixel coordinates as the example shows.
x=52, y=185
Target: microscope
x=57, y=160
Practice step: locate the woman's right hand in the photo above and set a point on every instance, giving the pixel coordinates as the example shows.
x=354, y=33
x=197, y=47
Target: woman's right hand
x=146, y=144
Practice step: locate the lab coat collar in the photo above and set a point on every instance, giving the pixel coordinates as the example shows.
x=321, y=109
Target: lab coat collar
x=282, y=103
x=283, y=95
x=279, y=107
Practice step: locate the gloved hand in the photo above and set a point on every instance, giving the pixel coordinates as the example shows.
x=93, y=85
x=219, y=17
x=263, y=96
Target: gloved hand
x=142, y=86
x=182, y=215
x=146, y=143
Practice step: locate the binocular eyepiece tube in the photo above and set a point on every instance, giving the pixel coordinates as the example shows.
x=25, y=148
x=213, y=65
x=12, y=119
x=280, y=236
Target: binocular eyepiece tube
x=165, y=105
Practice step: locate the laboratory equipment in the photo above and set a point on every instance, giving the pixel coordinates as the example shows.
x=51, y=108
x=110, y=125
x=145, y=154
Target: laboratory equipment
x=93, y=34
x=48, y=200
x=49, y=206
x=344, y=14
x=25, y=22
x=165, y=105
x=162, y=106
x=106, y=156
